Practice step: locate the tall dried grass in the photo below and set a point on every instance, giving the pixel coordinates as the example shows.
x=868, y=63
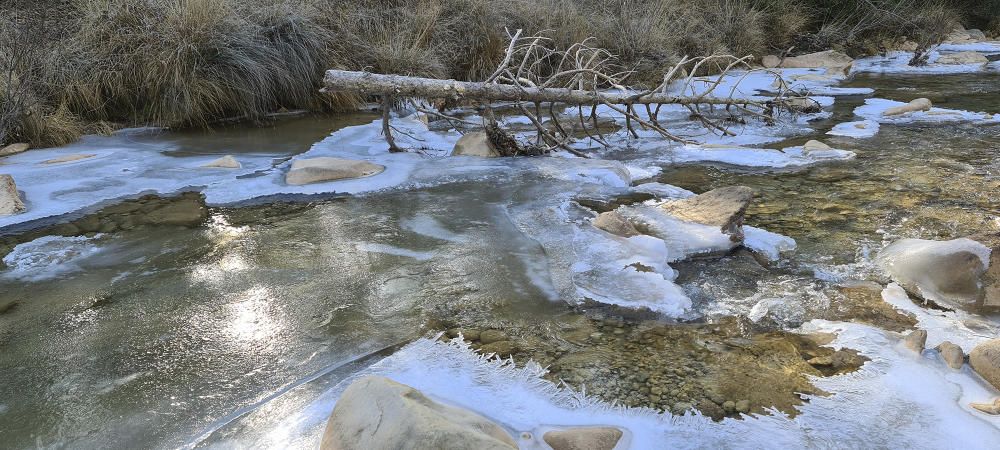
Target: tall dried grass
x=191, y=62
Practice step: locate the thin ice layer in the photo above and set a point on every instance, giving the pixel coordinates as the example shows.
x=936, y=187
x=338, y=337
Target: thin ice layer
x=875, y=107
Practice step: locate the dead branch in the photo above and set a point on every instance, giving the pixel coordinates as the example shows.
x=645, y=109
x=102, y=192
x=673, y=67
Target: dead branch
x=533, y=73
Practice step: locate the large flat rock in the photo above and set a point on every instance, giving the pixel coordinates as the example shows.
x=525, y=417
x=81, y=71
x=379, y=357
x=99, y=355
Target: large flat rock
x=378, y=413
x=724, y=207
x=318, y=170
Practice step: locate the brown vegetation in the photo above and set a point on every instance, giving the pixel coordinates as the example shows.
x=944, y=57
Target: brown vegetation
x=68, y=64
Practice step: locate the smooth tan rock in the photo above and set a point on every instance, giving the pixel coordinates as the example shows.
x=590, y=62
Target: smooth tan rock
x=476, y=143
x=988, y=408
x=830, y=59
x=615, y=224
x=985, y=360
x=916, y=340
x=724, y=207
x=770, y=61
x=378, y=413
x=225, y=162
x=959, y=35
x=975, y=34
x=920, y=104
x=952, y=355
x=14, y=149
x=909, y=46
x=814, y=145
x=10, y=200
x=68, y=158
x=963, y=58
x=317, y=170
x=594, y=438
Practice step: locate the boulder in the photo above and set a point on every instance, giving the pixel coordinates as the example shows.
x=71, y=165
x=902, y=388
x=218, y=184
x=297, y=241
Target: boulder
x=225, y=162
x=985, y=360
x=952, y=354
x=10, y=200
x=963, y=58
x=959, y=35
x=476, y=143
x=976, y=35
x=378, y=413
x=593, y=438
x=803, y=105
x=723, y=207
x=317, y=170
x=770, y=61
x=992, y=408
x=916, y=340
x=830, y=59
x=68, y=158
x=909, y=46
x=920, y=104
x=14, y=149
x=615, y=224
x=814, y=145
x=944, y=272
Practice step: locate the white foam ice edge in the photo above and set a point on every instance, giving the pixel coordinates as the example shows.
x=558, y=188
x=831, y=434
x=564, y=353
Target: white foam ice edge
x=874, y=107
x=896, y=400
x=49, y=257
x=897, y=62
x=754, y=157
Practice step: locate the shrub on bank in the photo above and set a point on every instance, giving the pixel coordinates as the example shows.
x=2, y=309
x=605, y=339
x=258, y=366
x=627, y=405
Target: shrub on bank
x=68, y=63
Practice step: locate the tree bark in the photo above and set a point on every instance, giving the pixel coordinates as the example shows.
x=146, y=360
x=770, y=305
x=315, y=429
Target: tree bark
x=404, y=86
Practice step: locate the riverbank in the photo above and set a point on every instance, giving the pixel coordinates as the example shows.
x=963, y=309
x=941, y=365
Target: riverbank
x=95, y=65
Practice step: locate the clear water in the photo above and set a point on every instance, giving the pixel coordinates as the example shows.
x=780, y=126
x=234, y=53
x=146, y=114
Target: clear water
x=170, y=333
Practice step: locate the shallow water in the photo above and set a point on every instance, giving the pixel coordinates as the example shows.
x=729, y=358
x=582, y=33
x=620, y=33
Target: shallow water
x=155, y=337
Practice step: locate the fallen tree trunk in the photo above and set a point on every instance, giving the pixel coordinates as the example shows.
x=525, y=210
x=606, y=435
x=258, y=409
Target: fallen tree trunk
x=404, y=86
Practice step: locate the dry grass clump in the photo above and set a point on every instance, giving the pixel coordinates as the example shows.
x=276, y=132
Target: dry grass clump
x=191, y=62
x=188, y=62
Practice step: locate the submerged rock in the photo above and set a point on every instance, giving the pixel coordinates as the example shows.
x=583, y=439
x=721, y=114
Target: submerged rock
x=476, y=143
x=10, y=200
x=944, y=272
x=916, y=340
x=920, y=104
x=181, y=212
x=615, y=224
x=988, y=408
x=378, y=413
x=952, y=354
x=724, y=207
x=69, y=158
x=14, y=149
x=225, y=162
x=963, y=58
x=985, y=360
x=317, y=170
x=595, y=438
